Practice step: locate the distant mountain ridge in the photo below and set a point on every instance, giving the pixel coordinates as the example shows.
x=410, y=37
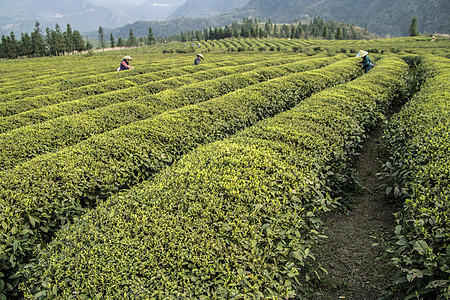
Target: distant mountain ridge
x=157, y=10
x=21, y=15
x=382, y=17
x=206, y=8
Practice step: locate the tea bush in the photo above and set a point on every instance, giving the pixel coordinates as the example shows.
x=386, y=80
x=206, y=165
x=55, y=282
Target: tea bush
x=27, y=142
x=233, y=219
x=75, y=178
x=419, y=143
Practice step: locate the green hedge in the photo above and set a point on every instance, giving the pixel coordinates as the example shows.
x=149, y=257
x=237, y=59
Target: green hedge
x=27, y=142
x=45, y=87
x=233, y=219
x=45, y=193
x=419, y=142
x=182, y=76
x=45, y=77
x=89, y=82
x=36, y=110
x=88, y=88
x=49, y=75
x=74, y=70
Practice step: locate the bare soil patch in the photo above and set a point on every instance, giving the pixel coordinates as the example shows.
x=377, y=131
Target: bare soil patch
x=354, y=252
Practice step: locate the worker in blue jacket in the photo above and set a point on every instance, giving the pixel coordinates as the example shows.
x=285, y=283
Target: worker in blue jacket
x=366, y=63
x=198, y=59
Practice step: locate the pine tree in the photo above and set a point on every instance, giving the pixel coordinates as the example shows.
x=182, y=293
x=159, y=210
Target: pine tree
x=131, y=39
x=88, y=45
x=111, y=40
x=3, y=53
x=228, y=33
x=150, y=36
x=78, y=42
x=267, y=28
x=344, y=33
x=101, y=37
x=50, y=41
x=275, y=31
x=198, y=35
x=38, y=41
x=212, y=34
x=413, y=31
x=298, y=31
x=236, y=33
x=338, y=34
x=59, y=41
x=120, y=42
x=26, y=47
x=68, y=37
x=325, y=32
x=219, y=33
x=12, y=46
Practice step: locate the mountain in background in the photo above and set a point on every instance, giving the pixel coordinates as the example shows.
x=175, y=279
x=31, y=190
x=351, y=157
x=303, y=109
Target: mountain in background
x=124, y=8
x=20, y=16
x=121, y=3
x=383, y=17
x=157, y=9
x=83, y=15
x=206, y=8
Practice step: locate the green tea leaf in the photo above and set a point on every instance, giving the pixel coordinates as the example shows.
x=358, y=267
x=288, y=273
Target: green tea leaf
x=420, y=246
x=413, y=274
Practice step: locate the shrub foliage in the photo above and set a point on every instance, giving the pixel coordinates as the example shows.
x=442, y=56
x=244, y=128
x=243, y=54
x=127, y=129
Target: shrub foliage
x=234, y=218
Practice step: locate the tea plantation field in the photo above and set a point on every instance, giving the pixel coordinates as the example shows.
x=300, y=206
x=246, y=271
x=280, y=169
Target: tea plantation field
x=175, y=181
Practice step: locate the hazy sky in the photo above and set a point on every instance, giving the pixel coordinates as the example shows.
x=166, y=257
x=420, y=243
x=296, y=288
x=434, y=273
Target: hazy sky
x=129, y=2
x=132, y=2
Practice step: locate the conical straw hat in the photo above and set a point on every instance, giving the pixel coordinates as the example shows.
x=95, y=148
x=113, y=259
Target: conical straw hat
x=362, y=53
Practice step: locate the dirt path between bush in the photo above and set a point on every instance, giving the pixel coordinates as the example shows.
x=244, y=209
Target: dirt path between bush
x=353, y=252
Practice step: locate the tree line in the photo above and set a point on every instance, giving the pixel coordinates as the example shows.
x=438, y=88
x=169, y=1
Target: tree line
x=36, y=44
x=55, y=42
x=252, y=28
x=132, y=40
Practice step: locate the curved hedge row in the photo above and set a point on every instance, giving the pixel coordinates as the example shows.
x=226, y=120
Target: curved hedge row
x=419, y=142
x=33, y=73
x=157, y=82
x=233, y=219
x=27, y=142
x=92, y=82
x=48, y=74
x=45, y=193
x=67, y=84
x=21, y=105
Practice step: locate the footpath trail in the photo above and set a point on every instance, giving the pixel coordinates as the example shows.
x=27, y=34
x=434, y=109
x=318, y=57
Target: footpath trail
x=353, y=253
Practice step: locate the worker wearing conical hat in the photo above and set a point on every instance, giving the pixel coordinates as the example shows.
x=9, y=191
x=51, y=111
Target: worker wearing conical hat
x=198, y=59
x=125, y=64
x=366, y=63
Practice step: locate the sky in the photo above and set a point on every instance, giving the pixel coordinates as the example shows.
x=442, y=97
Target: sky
x=129, y=2
x=132, y=2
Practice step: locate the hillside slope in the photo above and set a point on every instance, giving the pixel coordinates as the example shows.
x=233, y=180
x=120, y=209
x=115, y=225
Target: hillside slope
x=206, y=8
x=380, y=16
x=156, y=9
x=20, y=16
